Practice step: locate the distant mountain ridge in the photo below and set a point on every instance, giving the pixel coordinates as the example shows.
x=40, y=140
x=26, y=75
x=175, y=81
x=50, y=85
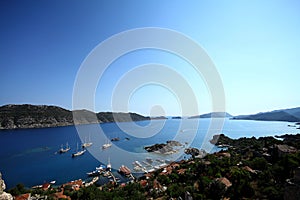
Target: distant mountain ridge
x=41, y=116
x=289, y=115
x=213, y=115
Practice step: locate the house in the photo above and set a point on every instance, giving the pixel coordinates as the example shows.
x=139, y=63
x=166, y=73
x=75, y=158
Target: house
x=46, y=186
x=74, y=184
x=60, y=195
x=284, y=149
x=225, y=181
x=181, y=171
x=247, y=168
x=223, y=154
x=26, y=196
x=143, y=183
x=156, y=185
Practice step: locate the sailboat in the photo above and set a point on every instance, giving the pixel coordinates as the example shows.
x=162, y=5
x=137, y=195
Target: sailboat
x=78, y=153
x=106, y=145
x=62, y=150
x=108, y=166
x=87, y=144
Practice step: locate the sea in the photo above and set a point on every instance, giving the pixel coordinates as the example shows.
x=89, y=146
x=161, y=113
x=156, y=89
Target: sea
x=30, y=156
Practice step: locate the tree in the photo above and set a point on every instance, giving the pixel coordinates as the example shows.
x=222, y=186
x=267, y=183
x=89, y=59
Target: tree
x=259, y=163
x=175, y=190
x=216, y=190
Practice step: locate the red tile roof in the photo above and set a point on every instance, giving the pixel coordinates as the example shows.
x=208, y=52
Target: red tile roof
x=225, y=181
x=23, y=196
x=46, y=186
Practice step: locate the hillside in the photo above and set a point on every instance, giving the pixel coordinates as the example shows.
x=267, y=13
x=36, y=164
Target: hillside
x=212, y=115
x=289, y=115
x=40, y=116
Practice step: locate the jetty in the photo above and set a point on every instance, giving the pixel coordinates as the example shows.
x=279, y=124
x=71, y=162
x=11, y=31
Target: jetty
x=112, y=176
x=95, y=179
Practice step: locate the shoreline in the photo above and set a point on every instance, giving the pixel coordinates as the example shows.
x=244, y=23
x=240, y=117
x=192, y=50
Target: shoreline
x=239, y=152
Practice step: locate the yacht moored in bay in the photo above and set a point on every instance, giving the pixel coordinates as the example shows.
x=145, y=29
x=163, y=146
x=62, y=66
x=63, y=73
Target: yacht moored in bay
x=64, y=150
x=78, y=153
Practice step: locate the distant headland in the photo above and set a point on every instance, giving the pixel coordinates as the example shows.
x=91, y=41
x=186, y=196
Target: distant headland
x=213, y=115
x=42, y=116
x=288, y=115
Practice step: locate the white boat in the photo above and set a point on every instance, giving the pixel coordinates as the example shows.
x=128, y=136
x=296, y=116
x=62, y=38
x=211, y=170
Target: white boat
x=149, y=160
x=62, y=150
x=137, y=163
x=137, y=168
x=87, y=144
x=108, y=167
x=37, y=186
x=101, y=168
x=160, y=161
x=94, y=173
x=78, y=153
x=156, y=167
x=146, y=163
x=151, y=170
x=106, y=145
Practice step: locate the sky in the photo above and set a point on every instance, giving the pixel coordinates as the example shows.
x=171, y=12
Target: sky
x=254, y=45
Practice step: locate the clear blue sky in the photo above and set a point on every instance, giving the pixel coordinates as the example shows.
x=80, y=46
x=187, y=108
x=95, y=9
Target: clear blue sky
x=255, y=46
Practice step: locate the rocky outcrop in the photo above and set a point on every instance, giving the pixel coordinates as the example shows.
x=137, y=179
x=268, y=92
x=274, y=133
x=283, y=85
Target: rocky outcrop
x=173, y=143
x=4, y=195
x=195, y=152
x=164, y=148
x=177, y=117
x=155, y=147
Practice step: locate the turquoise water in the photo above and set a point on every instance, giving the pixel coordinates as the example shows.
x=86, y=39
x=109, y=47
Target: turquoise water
x=29, y=156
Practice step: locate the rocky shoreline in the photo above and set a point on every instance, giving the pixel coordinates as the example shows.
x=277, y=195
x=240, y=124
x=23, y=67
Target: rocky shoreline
x=4, y=195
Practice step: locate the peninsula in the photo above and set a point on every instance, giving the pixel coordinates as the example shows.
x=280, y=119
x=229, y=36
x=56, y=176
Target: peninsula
x=41, y=116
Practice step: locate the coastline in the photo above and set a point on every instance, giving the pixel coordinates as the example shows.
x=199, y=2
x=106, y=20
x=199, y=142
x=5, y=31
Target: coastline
x=217, y=168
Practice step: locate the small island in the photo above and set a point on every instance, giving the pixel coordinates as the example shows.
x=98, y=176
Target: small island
x=159, y=118
x=212, y=115
x=164, y=148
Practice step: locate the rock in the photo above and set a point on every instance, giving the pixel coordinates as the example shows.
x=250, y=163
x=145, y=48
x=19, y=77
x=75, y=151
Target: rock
x=2, y=184
x=192, y=151
x=164, y=148
x=4, y=195
x=154, y=147
x=173, y=143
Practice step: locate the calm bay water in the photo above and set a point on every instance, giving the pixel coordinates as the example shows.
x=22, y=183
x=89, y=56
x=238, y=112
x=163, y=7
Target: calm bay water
x=29, y=156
